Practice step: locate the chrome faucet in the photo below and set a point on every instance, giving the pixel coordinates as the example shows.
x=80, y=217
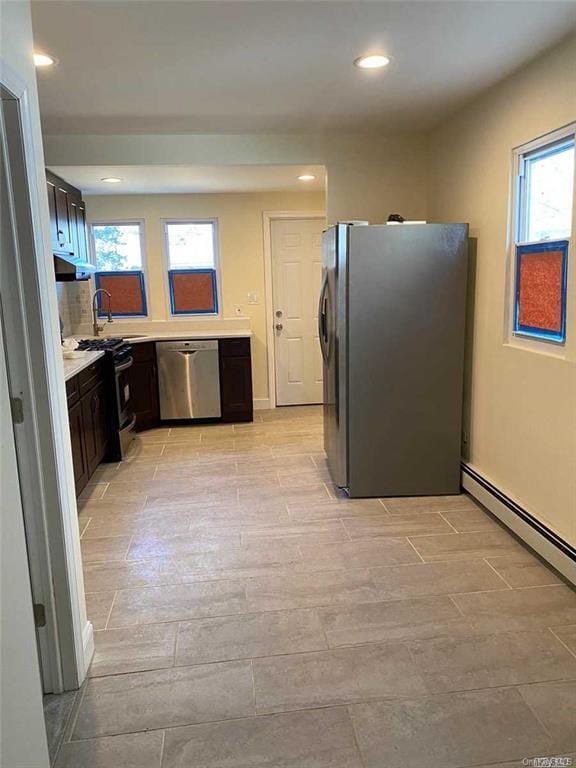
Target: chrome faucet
x=96, y=328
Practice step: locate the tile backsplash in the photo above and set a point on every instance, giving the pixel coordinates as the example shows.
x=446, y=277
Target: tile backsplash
x=74, y=305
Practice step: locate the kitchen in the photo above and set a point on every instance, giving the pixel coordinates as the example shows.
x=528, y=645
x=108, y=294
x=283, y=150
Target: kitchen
x=361, y=551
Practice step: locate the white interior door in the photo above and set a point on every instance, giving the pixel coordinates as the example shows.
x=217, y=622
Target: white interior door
x=296, y=275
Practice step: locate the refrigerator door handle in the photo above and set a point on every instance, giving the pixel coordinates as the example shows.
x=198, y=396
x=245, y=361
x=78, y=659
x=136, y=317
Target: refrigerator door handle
x=322, y=331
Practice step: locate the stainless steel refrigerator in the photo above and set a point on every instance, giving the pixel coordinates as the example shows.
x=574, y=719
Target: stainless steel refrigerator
x=391, y=326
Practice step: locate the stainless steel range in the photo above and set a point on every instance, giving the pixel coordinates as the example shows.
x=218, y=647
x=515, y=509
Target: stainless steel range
x=121, y=418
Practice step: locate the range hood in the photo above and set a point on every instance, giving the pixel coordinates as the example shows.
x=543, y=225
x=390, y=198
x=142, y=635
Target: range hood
x=68, y=268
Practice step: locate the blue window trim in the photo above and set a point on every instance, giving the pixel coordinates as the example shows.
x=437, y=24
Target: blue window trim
x=102, y=312
x=527, y=330
x=174, y=311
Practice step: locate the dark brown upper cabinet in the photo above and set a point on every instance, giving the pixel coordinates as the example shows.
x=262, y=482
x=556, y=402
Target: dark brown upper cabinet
x=67, y=218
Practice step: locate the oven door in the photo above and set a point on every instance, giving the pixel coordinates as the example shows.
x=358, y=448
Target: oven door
x=121, y=373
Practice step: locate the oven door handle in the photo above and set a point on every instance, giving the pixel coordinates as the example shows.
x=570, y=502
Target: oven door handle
x=123, y=366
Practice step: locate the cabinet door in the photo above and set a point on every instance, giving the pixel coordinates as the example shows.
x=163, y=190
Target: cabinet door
x=79, y=460
x=236, y=388
x=95, y=426
x=81, y=231
x=144, y=393
x=51, y=189
x=63, y=220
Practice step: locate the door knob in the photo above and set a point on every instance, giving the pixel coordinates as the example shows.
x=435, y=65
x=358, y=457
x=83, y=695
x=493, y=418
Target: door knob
x=279, y=326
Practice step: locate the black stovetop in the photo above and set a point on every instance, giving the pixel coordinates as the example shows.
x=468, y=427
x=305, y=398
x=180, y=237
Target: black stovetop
x=97, y=345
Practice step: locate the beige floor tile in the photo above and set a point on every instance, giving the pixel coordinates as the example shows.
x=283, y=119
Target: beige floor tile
x=107, y=506
x=182, y=544
x=320, y=531
x=409, y=524
x=398, y=583
x=321, y=738
x=469, y=520
x=356, y=554
x=524, y=570
x=136, y=524
x=326, y=678
x=395, y=620
x=132, y=750
x=466, y=546
x=519, y=609
x=568, y=636
x=332, y=508
x=156, y=571
x=98, y=607
x=133, y=650
x=413, y=504
x=93, y=491
x=57, y=711
x=249, y=636
x=165, y=698
x=554, y=704
x=177, y=602
x=449, y=731
x=489, y=661
x=286, y=591
x=105, y=548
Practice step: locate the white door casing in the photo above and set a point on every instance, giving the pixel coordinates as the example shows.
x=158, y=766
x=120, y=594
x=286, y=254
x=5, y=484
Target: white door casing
x=296, y=246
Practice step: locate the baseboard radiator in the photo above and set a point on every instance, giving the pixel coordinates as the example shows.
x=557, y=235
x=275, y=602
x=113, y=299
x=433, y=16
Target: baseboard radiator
x=559, y=553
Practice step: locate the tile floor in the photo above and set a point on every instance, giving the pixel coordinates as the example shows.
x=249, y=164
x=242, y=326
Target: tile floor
x=248, y=616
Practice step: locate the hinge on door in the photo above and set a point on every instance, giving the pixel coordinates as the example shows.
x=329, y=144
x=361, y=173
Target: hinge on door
x=39, y=615
x=17, y=407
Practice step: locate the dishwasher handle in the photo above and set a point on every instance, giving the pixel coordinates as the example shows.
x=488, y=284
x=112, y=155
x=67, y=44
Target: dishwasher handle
x=188, y=347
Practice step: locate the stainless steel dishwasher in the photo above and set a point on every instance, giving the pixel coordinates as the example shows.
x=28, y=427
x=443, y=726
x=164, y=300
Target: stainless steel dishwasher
x=189, y=379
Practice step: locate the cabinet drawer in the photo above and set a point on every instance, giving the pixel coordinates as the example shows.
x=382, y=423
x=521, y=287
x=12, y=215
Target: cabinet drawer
x=72, y=391
x=234, y=347
x=90, y=376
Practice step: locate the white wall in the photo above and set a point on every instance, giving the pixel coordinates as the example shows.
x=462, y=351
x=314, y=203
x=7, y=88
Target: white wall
x=58, y=503
x=368, y=177
x=522, y=403
x=240, y=235
x=22, y=732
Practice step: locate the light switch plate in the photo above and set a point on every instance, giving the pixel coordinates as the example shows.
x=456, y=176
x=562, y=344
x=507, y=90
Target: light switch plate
x=252, y=298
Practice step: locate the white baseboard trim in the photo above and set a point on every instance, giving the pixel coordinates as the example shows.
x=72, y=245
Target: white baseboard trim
x=262, y=404
x=546, y=543
x=88, y=649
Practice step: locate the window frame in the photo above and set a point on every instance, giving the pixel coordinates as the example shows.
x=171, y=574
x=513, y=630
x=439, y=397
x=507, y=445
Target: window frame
x=547, y=144
x=203, y=314
x=144, y=271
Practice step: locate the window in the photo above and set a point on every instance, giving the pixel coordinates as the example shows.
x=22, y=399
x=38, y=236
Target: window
x=192, y=259
x=542, y=229
x=118, y=257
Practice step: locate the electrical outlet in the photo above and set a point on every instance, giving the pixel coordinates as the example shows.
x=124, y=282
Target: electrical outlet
x=238, y=310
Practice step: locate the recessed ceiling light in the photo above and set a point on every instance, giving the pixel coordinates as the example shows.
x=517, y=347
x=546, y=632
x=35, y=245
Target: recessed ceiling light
x=43, y=60
x=306, y=177
x=372, y=61
x=111, y=179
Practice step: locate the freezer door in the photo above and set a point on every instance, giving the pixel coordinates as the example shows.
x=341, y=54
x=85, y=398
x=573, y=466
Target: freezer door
x=331, y=330
x=407, y=292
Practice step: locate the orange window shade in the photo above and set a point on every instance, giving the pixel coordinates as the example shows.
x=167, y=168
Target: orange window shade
x=193, y=292
x=127, y=293
x=540, y=290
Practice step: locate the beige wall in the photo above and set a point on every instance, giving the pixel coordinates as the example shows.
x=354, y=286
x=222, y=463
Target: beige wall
x=522, y=403
x=240, y=232
x=368, y=177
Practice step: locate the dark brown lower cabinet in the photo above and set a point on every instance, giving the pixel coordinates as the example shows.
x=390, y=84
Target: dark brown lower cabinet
x=236, y=380
x=144, y=398
x=86, y=395
x=78, y=447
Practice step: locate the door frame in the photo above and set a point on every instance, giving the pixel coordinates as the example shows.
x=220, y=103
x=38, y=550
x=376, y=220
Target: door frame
x=267, y=218
x=66, y=643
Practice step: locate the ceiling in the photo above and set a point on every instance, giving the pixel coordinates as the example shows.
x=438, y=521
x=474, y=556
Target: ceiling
x=159, y=66
x=181, y=179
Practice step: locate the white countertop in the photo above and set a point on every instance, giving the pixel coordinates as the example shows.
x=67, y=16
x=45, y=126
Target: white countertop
x=73, y=365
x=188, y=335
